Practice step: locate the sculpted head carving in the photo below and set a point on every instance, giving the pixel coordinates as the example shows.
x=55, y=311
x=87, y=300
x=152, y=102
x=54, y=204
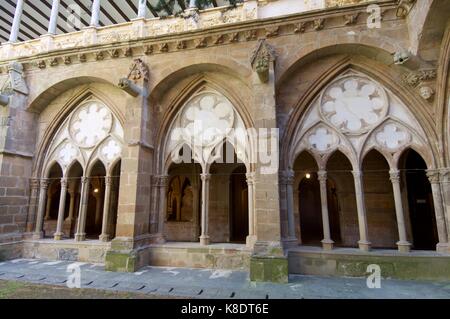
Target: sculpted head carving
x=353, y=104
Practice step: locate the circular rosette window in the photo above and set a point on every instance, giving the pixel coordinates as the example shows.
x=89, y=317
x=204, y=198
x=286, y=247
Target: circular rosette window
x=354, y=104
x=207, y=119
x=90, y=124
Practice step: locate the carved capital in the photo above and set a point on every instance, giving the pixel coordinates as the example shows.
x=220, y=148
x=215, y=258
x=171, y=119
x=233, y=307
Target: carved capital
x=357, y=174
x=64, y=183
x=108, y=180
x=322, y=176
x=34, y=183
x=251, y=178
x=161, y=180
x=44, y=184
x=205, y=177
x=394, y=176
x=433, y=176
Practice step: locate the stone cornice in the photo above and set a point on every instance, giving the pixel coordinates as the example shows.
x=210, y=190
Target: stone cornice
x=243, y=31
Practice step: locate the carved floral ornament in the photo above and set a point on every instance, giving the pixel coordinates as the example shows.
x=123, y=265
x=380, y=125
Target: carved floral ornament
x=353, y=104
x=91, y=132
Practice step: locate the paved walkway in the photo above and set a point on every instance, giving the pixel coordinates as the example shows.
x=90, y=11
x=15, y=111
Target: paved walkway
x=206, y=283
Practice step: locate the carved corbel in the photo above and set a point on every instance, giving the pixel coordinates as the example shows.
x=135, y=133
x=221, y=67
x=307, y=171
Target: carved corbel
x=404, y=7
x=129, y=87
x=14, y=84
x=319, y=24
x=261, y=59
x=137, y=80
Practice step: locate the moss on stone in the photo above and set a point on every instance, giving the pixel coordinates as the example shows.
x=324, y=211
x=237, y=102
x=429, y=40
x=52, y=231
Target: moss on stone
x=269, y=269
x=120, y=261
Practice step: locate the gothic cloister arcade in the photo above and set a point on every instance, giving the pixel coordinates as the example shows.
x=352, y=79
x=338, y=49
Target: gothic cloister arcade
x=208, y=190
x=79, y=185
x=357, y=177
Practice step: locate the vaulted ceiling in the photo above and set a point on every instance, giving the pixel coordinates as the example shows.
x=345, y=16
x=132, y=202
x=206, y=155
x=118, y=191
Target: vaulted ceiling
x=75, y=14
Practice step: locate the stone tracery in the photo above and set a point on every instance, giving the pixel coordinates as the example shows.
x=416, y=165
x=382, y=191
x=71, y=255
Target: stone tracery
x=90, y=135
x=366, y=117
x=354, y=105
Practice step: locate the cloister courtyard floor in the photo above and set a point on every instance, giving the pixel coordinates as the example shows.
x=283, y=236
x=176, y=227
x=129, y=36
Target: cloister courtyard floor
x=31, y=278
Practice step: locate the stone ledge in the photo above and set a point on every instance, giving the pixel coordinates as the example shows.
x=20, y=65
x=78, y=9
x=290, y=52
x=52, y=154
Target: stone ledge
x=397, y=266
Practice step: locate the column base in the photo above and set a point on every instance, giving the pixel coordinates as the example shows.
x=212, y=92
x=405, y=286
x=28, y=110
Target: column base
x=58, y=236
x=104, y=237
x=404, y=246
x=250, y=241
x=327, y=244
x=160, y=239
x=80, y=237
x=204, y=240
x=442, y=248
x=289, y=242
x=364, y=245
x=37, y=236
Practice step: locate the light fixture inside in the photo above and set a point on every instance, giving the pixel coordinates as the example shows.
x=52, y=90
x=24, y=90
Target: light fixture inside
x=308, y=175
x=96, y=190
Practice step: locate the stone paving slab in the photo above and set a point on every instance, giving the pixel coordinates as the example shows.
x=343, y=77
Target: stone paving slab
x=208, y=283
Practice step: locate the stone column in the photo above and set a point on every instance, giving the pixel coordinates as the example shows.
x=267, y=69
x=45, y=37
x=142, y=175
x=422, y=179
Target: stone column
x=290, y=175
x=445, y=186
x=72, y=194
x=62, y=206
x=81, y=234
x=195, y=199
x=403, y=245
x=95, y=17
x=251, y=238
x=34, y=202
x=363, y=242
x=53, y=17
x=327, y=242
x=433, y=177
x=98, y=206
x=38, y=233
x=16, y=22
x=162, y=184
x=106, y=209
x=204, y=237
x=142, y=8
x=49, y=203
